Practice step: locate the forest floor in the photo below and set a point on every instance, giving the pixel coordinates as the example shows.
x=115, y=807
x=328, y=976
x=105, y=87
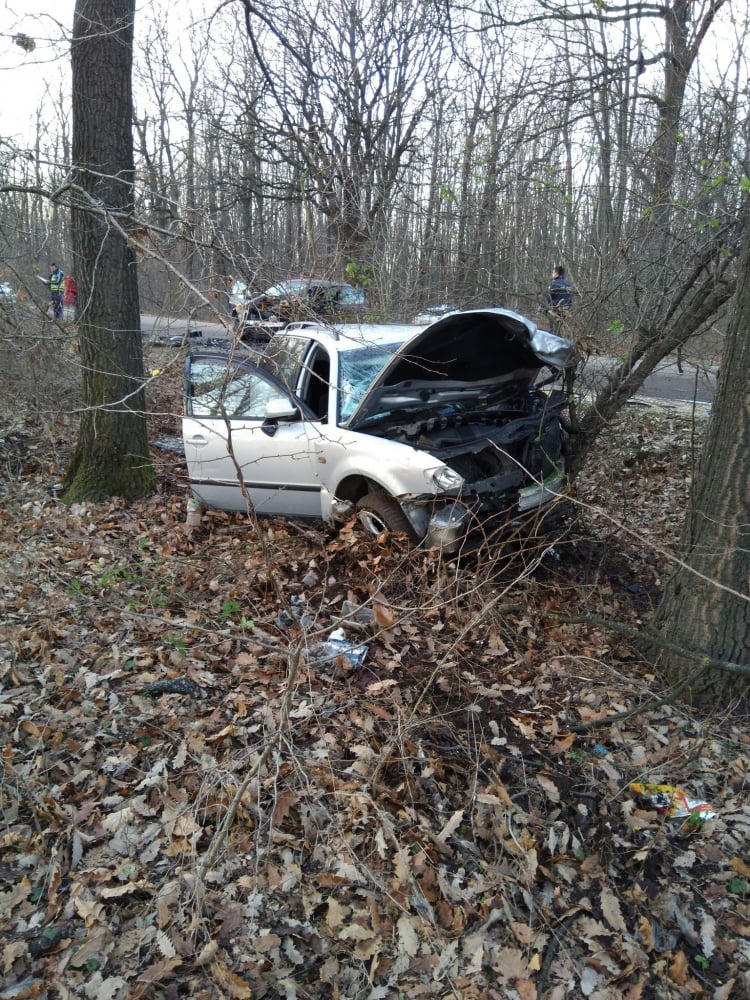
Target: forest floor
x=198, y=801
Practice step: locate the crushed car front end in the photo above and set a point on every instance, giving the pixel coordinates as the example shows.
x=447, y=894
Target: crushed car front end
x=465, y=396
x=492, y=466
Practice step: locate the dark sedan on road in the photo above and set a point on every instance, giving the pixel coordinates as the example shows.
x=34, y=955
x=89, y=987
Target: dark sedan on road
x=292, y=300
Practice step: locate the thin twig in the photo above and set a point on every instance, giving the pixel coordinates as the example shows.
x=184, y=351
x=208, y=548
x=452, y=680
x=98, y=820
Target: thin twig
x=648, y=706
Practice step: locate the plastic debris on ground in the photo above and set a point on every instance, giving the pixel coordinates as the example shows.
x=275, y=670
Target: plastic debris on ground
x=672, y=801
x=299, y=615
x=172, y=444
x=357, y=612
x=337, y=645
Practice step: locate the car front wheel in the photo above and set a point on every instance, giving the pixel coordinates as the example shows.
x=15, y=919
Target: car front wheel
x=380, y=513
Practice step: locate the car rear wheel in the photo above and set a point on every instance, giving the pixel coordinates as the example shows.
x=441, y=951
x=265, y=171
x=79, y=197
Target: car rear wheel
x=380, y=513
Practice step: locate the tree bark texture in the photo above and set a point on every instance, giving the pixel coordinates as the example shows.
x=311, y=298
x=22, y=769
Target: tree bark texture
x=112, y=455
x=706, y=607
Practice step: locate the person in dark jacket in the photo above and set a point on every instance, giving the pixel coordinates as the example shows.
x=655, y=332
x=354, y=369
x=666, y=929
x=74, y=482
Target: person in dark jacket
x=56, y=282
x=560, y=291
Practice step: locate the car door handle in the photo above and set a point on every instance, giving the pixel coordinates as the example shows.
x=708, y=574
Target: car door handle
x=197, y=440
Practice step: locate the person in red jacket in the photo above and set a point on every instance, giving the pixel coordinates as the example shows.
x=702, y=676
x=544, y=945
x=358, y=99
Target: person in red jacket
x=69, y=296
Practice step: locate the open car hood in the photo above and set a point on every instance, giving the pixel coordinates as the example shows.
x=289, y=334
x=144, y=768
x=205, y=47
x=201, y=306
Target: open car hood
x=465, y=353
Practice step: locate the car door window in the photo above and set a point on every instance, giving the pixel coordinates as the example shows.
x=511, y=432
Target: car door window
x=218, y=391
x=283, y=358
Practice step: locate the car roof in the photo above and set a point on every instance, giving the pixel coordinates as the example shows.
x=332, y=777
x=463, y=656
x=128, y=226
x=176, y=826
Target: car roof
x=476, y=342
x=352, y=336
x=323, y=283
x=340, y=336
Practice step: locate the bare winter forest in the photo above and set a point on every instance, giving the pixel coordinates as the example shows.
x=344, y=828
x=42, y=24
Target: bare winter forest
x=531, y=782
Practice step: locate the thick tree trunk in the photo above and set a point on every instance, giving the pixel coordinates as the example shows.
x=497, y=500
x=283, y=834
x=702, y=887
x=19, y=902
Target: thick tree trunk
x=112, y=456
x=706, y=607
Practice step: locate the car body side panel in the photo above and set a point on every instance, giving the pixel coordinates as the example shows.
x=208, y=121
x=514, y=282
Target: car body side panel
x=274, y=462
x=232, y=445
x=295, y=472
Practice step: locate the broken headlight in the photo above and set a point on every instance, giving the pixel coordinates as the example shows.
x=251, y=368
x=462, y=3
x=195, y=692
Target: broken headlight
x=446, y=479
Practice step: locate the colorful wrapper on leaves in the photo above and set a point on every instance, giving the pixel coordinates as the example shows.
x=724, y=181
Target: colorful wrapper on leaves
x=672, y=801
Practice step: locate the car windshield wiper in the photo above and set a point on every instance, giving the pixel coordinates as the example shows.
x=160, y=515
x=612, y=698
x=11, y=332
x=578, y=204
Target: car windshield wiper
x=429, y=393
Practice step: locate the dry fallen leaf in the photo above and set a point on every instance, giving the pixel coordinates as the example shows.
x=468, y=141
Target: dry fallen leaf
x=285, y=801
x=522, y=932
x=234, y=984
x=452, y=825
x=385, y=615
x=646, y=933
x=611, y=910
x=159, y=971
x=112, y=800
x=408, y=937
x=336, y=914
x=550, y=788
x=509, y=964
x=563, y=744
x=230, y=730
x=678, y=969
x=740, y=866
x=112, y=988
x=11, y=952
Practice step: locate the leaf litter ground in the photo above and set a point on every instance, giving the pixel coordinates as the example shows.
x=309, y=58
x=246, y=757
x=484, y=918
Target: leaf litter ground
x=198, y=803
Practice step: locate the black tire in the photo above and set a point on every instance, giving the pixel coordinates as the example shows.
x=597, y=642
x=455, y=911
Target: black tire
x=380, y=513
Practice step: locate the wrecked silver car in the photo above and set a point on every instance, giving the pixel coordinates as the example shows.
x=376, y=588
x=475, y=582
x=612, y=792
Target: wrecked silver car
x=434, y=433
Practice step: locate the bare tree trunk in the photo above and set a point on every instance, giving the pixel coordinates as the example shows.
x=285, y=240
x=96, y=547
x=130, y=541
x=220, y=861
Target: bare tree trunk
x=112, y=456
x=706, y=608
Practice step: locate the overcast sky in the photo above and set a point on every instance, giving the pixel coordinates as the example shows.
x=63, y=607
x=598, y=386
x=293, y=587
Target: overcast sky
x=28, y=78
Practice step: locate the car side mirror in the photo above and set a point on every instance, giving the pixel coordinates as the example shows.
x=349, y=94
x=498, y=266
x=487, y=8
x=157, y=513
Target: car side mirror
x=278, y=409
x=281, y=409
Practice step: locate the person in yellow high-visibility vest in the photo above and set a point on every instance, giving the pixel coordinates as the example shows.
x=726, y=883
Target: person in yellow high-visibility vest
x=56, y=289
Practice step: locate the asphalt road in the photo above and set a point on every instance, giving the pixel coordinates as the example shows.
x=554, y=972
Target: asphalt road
x=159, y=329
x=695, y=385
